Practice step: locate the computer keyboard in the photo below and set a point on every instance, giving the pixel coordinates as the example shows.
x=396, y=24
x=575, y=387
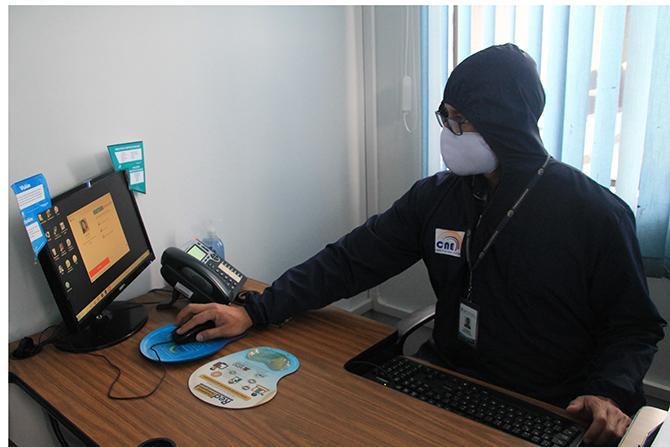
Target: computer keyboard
x=484, y=405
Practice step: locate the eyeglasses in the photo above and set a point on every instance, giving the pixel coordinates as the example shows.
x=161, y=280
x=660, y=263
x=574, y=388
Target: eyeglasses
x=454, y=125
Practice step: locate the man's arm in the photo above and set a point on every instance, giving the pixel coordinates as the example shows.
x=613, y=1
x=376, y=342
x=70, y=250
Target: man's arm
x=627, y=330
x=629, y=325
x=382, y=247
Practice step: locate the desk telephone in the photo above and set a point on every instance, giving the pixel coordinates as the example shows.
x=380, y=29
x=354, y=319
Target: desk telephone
x=200, y=274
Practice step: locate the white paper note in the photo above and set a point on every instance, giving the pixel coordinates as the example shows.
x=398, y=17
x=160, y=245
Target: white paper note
x=30, y=197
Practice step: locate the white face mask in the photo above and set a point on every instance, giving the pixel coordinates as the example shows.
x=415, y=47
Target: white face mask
x=467, y=154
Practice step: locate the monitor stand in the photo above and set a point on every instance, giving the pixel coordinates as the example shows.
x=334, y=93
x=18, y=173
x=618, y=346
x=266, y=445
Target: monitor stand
x=116, y=323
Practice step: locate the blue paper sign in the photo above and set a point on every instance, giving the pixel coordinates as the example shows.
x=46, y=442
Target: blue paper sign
x=32, y=195
x=129, y=157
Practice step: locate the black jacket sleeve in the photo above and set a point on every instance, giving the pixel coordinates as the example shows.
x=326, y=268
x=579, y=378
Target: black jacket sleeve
x=629, y=325
x=382, y=247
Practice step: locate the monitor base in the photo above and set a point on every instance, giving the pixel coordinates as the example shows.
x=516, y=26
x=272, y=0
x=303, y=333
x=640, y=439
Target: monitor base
x=116, y=323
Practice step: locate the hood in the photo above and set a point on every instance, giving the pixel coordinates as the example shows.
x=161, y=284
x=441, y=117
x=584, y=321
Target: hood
x=499, y=91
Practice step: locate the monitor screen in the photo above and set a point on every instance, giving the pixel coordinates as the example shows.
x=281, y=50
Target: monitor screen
x=96, y=245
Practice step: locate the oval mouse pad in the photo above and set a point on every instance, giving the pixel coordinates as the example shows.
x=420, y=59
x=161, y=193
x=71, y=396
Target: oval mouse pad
x=169, y=352
x=244, y=379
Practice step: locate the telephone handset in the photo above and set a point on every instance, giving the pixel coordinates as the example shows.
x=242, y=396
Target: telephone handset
x=200, y=274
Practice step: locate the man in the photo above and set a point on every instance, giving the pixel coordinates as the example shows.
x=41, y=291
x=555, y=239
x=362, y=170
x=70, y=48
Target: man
x=540, y=260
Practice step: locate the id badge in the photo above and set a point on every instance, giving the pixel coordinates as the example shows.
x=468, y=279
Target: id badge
x=468, y=323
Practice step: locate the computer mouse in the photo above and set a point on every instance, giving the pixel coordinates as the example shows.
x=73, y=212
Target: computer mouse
x=189, y=336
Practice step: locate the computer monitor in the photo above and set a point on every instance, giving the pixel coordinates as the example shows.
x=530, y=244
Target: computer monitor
x=96, y=245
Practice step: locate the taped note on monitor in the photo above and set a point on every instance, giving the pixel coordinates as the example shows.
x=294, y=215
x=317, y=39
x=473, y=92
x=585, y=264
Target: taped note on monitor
x=129, y=157
x=33, y=198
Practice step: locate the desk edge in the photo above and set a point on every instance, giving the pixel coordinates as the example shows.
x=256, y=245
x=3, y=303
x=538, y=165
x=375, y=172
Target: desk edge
x=16, y=380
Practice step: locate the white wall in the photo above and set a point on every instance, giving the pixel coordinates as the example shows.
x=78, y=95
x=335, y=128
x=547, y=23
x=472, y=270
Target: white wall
x=249, y=115
x=245, y=114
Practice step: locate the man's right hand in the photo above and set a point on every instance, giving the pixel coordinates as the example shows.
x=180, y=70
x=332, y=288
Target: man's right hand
x=229, y=320
x=608, y=422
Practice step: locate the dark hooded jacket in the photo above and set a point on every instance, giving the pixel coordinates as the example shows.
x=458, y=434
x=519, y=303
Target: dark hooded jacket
x=564, y=308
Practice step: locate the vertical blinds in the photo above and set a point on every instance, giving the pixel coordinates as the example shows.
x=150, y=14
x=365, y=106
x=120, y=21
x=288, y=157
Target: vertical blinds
x=606, y=72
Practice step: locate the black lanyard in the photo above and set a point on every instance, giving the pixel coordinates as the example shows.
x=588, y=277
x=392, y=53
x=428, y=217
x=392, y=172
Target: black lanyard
x=499, y=228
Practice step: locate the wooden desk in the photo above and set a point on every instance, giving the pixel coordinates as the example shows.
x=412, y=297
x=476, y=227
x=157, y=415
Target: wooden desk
x=320, y=405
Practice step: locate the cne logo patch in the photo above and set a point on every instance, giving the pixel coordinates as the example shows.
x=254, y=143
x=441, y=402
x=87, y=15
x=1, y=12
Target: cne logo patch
x=448, y=242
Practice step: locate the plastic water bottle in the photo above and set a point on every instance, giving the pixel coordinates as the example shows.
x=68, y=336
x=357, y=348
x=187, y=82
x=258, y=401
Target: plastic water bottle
x=214, y=242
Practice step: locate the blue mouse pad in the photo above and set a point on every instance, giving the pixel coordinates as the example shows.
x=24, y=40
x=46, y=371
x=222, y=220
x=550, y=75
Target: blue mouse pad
x=172, y=352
